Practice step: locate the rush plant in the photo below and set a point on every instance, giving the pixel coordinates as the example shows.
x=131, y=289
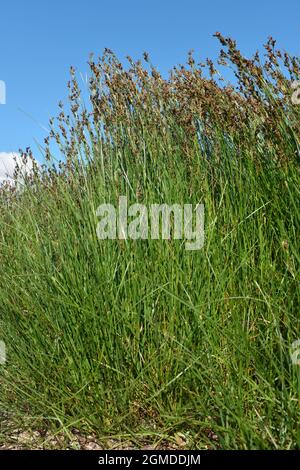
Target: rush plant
x=143, y=339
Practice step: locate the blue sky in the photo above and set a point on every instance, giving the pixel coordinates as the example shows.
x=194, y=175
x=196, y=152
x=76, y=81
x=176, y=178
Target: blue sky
x=41, y=39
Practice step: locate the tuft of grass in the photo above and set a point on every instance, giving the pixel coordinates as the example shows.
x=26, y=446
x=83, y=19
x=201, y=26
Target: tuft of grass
x=143, y=339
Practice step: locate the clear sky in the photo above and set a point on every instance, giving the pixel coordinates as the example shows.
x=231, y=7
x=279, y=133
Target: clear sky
x=40, y=39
